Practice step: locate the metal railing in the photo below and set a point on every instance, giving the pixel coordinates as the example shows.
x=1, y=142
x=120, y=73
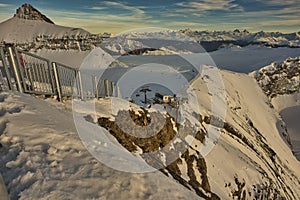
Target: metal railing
x=7, y=81
x=30, y=73
x=68, y=80
x=36, y=73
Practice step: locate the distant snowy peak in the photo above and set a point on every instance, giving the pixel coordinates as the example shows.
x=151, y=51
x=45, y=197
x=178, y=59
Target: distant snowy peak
x=279, y=78
x=27, y=11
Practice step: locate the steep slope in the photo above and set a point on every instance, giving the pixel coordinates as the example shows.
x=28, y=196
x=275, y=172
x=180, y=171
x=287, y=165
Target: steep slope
x=281, y=82
x=254, y=144
x=250, y=160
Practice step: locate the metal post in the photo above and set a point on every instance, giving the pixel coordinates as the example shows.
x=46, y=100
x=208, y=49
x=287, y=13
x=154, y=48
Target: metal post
x=112, y=87
x=51, y=77
x=117, y=92
x=80, y=84
x=106, y=86
x=6, y=71
x=58, y=89
x=21, y=68
x=15, y=68
x=96, y=87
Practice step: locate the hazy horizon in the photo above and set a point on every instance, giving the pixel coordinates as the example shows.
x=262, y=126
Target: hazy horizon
x=118, y=16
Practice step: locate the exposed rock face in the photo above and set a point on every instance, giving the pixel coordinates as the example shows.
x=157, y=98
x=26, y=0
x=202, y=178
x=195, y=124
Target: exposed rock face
x=278, y=79
x=28, y=12
x=194, y=176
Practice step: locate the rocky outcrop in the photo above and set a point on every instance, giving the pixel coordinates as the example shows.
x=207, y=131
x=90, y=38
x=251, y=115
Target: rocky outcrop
x=172, y=161
x=279, y=78
x=28, y=12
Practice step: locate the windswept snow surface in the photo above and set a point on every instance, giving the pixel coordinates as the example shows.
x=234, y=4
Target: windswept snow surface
x=42, y=157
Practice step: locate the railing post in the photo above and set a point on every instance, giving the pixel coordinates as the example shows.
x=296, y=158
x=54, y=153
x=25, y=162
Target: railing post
x=15, y=68
x=112, y=87
x=56, y=77
x=96, y=87
x=20, y=67
x=80, y=84
x=51, y=76
x=106, y=86
x=6, y=71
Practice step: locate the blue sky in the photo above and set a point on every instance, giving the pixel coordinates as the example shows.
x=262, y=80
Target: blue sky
x=99, y=16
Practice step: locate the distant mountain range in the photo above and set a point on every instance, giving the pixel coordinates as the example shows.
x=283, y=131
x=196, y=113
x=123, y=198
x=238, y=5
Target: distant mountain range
x=213, y=40
x=31, y=30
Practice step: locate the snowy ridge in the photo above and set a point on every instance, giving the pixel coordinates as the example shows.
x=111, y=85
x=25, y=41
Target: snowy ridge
x=16, y=30
x=250, y=145
x=29, y=29
x=37, y=34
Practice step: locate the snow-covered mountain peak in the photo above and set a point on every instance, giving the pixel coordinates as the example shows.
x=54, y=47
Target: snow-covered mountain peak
x=28, y=12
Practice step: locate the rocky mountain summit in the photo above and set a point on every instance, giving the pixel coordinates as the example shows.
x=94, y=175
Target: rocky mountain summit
x=29, y=29
x=280, y=78
x=28, y=12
